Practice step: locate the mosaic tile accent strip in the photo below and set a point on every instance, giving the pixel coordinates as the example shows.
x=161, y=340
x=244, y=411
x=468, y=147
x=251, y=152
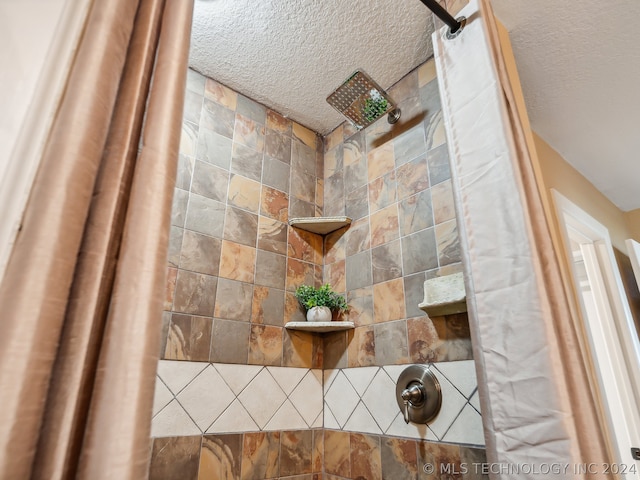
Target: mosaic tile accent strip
x=363, y=400
x=196, y=397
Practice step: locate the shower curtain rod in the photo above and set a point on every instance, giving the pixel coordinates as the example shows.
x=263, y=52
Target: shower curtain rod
x=442, y=14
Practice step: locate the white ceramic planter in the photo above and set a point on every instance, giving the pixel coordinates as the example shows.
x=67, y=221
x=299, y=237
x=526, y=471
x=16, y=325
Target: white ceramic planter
x=319, y=314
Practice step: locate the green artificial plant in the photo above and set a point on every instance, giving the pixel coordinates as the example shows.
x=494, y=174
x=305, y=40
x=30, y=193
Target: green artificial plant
x=323, y=296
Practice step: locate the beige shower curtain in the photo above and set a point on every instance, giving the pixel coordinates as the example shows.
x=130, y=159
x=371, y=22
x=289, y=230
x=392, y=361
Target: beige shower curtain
x=538, y=403
x=82, y=294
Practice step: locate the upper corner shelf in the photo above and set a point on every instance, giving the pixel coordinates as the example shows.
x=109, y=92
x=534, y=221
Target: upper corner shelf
x=320, y=225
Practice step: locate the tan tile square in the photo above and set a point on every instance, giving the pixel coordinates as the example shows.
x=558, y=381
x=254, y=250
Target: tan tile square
x=426, y=72
x=337, y=453
x=305, y=246
x=388, y=301
x=306, y=136
x=299, y=273
x=170, y=287
x=362, y=347
x=297, y=349
x=335, y=275
x=442, y=201
x=333, y=139
x=237, y=262
x=244, y=193
x=384, y=225
x=220, y=94
x=277, y=122
x=265, y=345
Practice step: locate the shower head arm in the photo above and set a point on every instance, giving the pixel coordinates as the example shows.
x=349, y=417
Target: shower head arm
x=453, y=24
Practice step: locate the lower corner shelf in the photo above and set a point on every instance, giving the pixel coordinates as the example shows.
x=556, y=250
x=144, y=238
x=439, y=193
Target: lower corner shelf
x=320, y=326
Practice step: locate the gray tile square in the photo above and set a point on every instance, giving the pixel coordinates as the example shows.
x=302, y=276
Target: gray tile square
x=233, y=300
x=276, y=174
x=271, y=269
x=246, y=161
x=409, y=145
x=419, y=252
x=195, y=293
x=438, y=161
x=205, y=215
x=241, y=226
x=200, y=253
x=179, y=207
x=210, y=181
x=386, y=261
x=217, y=118
x=230, y=341
x=214, y=148
x=358, y=269
x=416, y=213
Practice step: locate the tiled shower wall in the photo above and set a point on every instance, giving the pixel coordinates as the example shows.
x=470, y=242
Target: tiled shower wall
x=233, y=260
x=234, y=263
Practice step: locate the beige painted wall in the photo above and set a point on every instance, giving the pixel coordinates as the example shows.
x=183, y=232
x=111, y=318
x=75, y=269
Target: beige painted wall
x=633, y=223
x=558, y=174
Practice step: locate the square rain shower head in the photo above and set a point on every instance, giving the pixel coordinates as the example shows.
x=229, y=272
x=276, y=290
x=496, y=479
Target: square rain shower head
x=363, y=101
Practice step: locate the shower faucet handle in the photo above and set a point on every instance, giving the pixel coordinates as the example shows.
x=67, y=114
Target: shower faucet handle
x=418, y=394
x=414, y=394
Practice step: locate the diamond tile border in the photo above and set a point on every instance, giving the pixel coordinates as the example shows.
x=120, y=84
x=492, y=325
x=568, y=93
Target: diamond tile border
x=228, y=398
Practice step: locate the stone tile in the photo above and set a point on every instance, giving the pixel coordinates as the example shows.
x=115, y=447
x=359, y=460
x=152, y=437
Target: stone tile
x=388, y=301
x=334, y=195
x=334, y=138
x=426, y=72
x=252, y=109
x=430, y=100
x=170, y=287
x=391, y=343
x=217, y=118
x=177, y=375
x=337, y=453
x=195, y=293
x=416, y=213
x=214, y=148
x=333, y=161
x=414, y=293
x=354, y=150
x=274, y=204
x=399, y=458
x=405, y=87
x=270, y=269
x=366, y=458
x=357, y=237
x=277, y=122
x=448, y=243
x=305, y=246
x=335, y=350
x=185, y=172
x=419, y=252
x=409, y=145
x=436, y=134
x=220, y=94
x=189, y=338
x=195, y=82
x=356, y=203
x=299, y=273
x=175, y=457
x=244, y=193
x=319, y=193
x=200, y=253
x=300, y=208
x=382, y=191
x=412, y=177
x=235, y=419
x=308, y=137
x=166, y=323
x=362, y=347
x=179, y=207
x=189, y=139
x=192, y=107
x=380, y=161
x=295, y=452
x=334, y=245
x=423, y=340
x=249, y=133
x=260, y=455
x=246, y=161
x=386, y=262
x=210, y=181
x=441, y=456
x=272, y=235
x=233, y=300
x=297, y=349
x=384, y=225
x=205, y=215
x=303, y=186
x=335, y=275
x=237, y=262
x=276, y=174
x=442, y=199
x=229, y=341
x=359, y=271
x=206, y=397
x=378, y=134
x=438, y=162
x=361, y=306
x=241, y=227
x=317, y=460
x=268, y=306
x=293, y=311
x=220, y=457
x=172, y=420
x=471, y=456
x=262, y=397
x=303, y=158
x=265, y=345
x=161, y=396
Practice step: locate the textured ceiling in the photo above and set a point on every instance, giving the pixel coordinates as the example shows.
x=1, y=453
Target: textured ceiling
x=290, y=55
x=579, y=64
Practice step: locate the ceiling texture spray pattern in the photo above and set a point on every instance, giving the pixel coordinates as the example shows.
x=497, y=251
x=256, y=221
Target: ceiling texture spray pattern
x=290, y=55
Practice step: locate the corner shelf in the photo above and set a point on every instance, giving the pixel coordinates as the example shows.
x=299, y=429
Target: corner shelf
x=320, y=225
x=320, y=327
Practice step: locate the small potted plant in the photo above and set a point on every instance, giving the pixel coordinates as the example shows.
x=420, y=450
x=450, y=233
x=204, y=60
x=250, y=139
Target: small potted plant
x=320, y=302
